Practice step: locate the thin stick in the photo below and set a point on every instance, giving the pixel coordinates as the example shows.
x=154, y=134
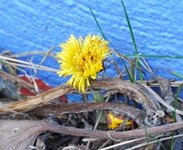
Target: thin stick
x=152, y=83
x=46, y=55
x=123, y=143
x=155, y=141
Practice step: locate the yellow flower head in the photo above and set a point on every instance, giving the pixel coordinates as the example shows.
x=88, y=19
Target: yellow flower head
x=82, y=59
x=114, y=121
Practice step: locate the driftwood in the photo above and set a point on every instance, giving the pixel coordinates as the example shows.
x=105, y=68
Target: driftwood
x=124, y=87
x=134, y=91
x=36, y=101
x=141, y=93
x=134, y=113
x=23, y=134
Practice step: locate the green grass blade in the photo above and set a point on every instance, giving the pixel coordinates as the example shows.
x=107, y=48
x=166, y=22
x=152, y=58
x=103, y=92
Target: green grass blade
x=96, y=21
x=134, y=44
x=176, y=74
x=154, y=56
x=130, y=27
x=100, y=29
x=140, y=72
x=175, y=104
x=128, y=72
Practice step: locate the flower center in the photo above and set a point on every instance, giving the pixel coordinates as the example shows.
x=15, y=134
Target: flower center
x=84, y=60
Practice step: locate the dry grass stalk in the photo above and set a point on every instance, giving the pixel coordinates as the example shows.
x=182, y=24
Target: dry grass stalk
x=20, y=63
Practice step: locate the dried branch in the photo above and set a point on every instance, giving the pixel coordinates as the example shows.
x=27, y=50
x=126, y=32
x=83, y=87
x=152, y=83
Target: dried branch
x=139, y=92
x=36, y=101
x=131, y=90
x=134, y=113
x=22, y=134
x=151, y=131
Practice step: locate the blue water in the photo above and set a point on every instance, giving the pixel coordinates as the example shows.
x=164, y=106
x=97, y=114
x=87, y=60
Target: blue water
x=28, y=25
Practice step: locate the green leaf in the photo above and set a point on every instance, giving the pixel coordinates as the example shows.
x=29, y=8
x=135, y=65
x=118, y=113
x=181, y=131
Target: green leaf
x=98, y=97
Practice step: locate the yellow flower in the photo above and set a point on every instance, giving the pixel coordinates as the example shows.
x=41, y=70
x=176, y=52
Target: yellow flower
x=82, y=59
x=114, y=121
